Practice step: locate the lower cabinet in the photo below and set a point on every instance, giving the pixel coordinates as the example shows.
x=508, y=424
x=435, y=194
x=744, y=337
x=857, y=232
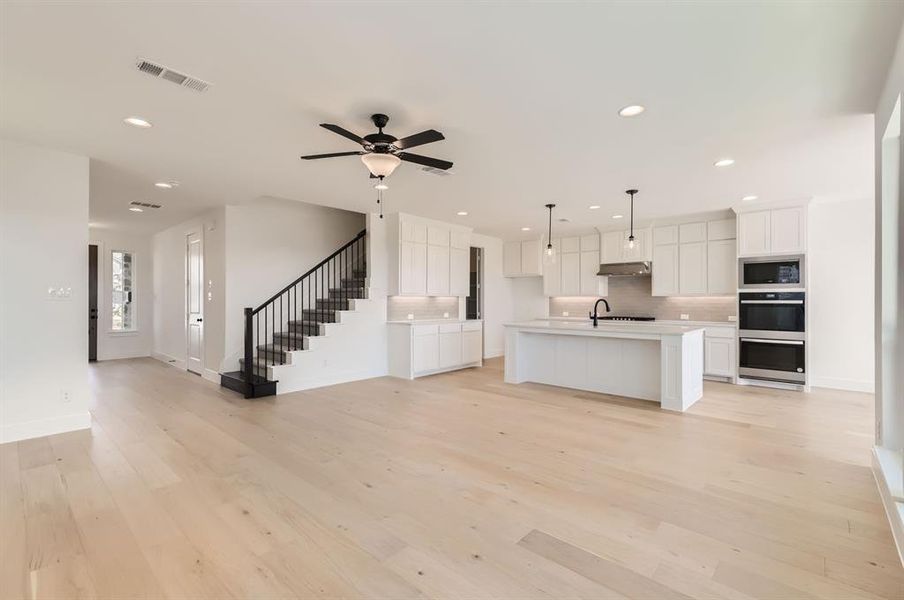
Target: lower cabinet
x=720, y=352
x=416, y=350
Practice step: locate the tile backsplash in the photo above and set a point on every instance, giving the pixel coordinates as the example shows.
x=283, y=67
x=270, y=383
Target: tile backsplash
x=633, y=296
x=399, y=307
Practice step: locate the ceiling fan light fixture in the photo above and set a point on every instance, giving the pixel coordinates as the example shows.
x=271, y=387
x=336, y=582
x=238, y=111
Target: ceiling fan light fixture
x=380, y=164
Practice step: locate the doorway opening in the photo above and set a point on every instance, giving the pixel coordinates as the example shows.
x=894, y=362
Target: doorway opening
x=92, y=302
x=474, y=301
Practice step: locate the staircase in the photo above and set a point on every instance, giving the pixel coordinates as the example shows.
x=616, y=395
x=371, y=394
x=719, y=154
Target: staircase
x=279, y=332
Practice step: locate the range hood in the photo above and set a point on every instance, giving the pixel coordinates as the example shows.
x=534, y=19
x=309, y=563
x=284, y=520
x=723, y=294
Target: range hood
x=629, y=269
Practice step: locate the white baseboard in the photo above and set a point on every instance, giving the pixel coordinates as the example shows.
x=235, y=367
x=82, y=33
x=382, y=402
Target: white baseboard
x=211, y=375
x=893, y=510
x=493, y=352
x=837, y=383
x=42, y=427
x=123, y=356
x=170, y=360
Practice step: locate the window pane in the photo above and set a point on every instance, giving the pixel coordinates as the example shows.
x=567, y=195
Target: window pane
x=123, y=286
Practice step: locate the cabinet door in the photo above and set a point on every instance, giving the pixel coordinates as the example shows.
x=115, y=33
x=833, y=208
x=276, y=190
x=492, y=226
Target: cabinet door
x=571, y=273
x=414, y=232
x=437, y=270
x=511, y=259
x=754, y=231
x=426, y=352
x=722, y=267
x=665, y=270
x=613, y=247
x=692, y=268
x=460, y=239
x=570, y=244
x=724, y=229
x=438, y=236
x=665, y=235
x=449, y=350
x=639, y=251
x=590, y=266
x=530, y=258
x=788, y=230
x=471, y=350
x=718, y=356
x=460, y=267
x=413, y=269
x=691, y=232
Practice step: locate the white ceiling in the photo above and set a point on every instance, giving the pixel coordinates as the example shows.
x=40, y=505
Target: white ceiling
x=527, y=97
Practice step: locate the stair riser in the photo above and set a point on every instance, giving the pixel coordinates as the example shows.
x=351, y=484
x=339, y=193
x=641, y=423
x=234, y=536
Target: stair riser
x=333, y=304
x=306, y=328
x=347, y=293
x=353, y=283
x=319, y=316
x=273, y=356
x=296, y=341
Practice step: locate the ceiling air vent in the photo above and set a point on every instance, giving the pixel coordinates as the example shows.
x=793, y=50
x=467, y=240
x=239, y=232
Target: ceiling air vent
x=144, y=204
x=163, y=72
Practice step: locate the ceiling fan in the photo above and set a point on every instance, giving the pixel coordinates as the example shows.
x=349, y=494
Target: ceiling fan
x=383, y=152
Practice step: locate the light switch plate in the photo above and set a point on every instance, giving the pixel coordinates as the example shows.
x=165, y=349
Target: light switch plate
x=564, y=313
x=411, y=316
x=445, y=315
x=733, y=318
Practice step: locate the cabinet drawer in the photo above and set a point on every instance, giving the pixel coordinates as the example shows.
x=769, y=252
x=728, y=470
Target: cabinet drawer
x=720, y=332
x=426, y=329
x=692, y=232
x=449, y=327
x=471, y=326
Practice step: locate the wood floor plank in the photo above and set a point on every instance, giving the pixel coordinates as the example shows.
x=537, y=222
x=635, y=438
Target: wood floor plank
x=451, y=486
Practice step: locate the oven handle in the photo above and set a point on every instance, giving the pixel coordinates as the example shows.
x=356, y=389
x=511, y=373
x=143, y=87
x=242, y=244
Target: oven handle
x=772, y=301
x=762, y=341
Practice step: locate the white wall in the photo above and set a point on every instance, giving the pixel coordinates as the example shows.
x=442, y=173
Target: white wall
x=840, y=260
x=269, y=243
x=110, y=344
x=168, y=250
x=43, y=243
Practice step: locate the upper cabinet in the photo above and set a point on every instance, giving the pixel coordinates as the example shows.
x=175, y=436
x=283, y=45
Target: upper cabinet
x=427, y=258
x=614, y=246
x=574, y=272
x=521, y=259
x=772, y=231
x=694, y=259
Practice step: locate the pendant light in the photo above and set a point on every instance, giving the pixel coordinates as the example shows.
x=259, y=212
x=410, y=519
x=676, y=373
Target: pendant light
x=549, y=256
x=631, y=234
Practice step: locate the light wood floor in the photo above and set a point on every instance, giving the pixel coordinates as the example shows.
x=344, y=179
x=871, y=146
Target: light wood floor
x=451, y=486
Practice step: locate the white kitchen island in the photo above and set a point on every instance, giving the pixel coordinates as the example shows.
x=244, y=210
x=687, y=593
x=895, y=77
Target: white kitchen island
x=638, y=360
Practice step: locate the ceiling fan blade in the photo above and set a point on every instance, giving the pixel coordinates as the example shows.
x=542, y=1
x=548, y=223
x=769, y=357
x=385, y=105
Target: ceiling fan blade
x=419, y=139
x=333, y=154
x=436, y=163
x=344, y=133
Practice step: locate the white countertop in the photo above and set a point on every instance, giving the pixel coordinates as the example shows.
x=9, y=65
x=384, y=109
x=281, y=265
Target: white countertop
x=432, y=321
x=657, y=321
x=605, y=328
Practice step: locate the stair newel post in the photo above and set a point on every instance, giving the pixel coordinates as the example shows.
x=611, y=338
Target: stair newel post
x=249, y=350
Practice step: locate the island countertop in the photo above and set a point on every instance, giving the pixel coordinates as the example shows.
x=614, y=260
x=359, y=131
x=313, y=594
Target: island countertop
x=604, y=329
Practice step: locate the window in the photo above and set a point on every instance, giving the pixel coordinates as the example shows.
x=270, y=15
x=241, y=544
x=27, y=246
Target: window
x=123, y=286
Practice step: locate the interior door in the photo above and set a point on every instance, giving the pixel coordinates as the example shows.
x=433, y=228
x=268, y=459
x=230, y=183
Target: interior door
x=92, y=302
x=194, y=289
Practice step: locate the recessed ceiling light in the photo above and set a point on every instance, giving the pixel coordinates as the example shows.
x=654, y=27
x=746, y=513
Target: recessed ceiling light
x=136, y=209
x=631, y=110
x=618, y=216
x=724, y=162
x=749, y=198
x=137, y=122
x=167, y=185
x=525, y=229
x=381, y=186
x=462, y=213
x=594, y=207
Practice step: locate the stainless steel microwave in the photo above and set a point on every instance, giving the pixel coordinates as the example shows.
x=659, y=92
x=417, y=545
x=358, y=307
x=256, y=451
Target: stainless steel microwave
x=771, y=272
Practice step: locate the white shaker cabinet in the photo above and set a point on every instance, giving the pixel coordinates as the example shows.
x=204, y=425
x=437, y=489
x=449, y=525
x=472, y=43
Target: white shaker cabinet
x=692, y=268
x=438, y=273
x=460, y=266
x=665, y=270
x=719, y=352
x=721, y=267
x=522, y=259
x=423, y=349
x=614, y=246
x=412, y=269
x=571, y=273
x=773, y=231
x=426, y=257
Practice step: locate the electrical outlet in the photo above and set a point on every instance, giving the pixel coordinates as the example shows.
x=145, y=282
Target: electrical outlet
x=411, y=316
x=445, y=315
x=685, y=317
x=564, y=313
x=733, y=317
x=65, y=396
